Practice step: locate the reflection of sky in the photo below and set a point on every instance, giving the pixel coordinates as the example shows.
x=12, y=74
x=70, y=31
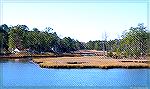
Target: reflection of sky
x=134, y=77
x=27, y=74
x=83, y=21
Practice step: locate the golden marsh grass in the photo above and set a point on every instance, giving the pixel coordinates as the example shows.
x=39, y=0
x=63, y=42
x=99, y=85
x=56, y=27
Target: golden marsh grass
x=90, y=62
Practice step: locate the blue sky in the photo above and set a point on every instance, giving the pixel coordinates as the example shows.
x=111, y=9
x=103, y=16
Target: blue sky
x=82, y=21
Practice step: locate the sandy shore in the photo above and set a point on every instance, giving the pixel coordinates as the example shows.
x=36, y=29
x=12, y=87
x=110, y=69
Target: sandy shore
x=91, y=62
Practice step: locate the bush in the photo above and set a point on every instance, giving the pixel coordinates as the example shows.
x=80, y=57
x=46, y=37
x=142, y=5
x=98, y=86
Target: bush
x=109, y=54
x=148, y=54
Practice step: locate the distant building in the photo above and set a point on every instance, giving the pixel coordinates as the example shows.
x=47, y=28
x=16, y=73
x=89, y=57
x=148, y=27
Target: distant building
x=15, y=50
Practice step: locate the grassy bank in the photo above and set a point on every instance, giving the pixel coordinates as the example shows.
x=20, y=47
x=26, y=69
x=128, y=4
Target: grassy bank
x=90, y=62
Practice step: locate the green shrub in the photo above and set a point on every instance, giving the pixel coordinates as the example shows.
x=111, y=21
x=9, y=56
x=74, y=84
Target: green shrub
x=109, y=54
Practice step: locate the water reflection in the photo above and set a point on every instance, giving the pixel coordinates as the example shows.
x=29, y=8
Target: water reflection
x=16, y=60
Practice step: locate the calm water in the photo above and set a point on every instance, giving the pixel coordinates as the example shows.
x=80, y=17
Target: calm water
x=30, y=74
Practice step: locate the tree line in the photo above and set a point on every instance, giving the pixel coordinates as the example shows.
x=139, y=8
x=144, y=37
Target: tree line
x=135, y=42
x=21, y=37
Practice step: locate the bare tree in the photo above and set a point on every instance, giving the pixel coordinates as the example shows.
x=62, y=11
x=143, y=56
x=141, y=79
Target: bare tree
x=104, y=38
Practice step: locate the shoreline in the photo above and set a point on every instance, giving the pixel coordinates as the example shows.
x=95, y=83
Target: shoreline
x=82, y=62
x=13, y=56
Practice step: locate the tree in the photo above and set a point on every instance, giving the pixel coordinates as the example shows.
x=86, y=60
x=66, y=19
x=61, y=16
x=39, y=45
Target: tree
x=68, y=44
x=49, y=29
x=97, y=45
x=90, y=45
x=135, y=42
x=20, y=37
x=4, y=37
x=16, y=37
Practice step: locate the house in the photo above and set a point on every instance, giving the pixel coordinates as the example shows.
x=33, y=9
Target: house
x=14, y=50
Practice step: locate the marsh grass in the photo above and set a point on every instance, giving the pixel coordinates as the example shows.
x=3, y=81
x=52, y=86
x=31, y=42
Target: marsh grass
x=90, y=62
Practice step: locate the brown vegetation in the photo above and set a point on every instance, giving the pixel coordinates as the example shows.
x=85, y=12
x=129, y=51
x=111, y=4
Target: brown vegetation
x=90, y=62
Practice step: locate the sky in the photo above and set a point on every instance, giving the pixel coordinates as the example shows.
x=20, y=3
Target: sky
x=82, y=21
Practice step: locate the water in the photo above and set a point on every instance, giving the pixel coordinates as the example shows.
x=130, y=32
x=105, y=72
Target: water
x=27, y=74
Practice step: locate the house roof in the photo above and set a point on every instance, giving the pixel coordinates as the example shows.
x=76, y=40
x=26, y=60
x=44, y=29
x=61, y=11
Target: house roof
x=16, y=50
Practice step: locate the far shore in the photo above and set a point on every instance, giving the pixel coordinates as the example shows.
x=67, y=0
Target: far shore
x=20, y=55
